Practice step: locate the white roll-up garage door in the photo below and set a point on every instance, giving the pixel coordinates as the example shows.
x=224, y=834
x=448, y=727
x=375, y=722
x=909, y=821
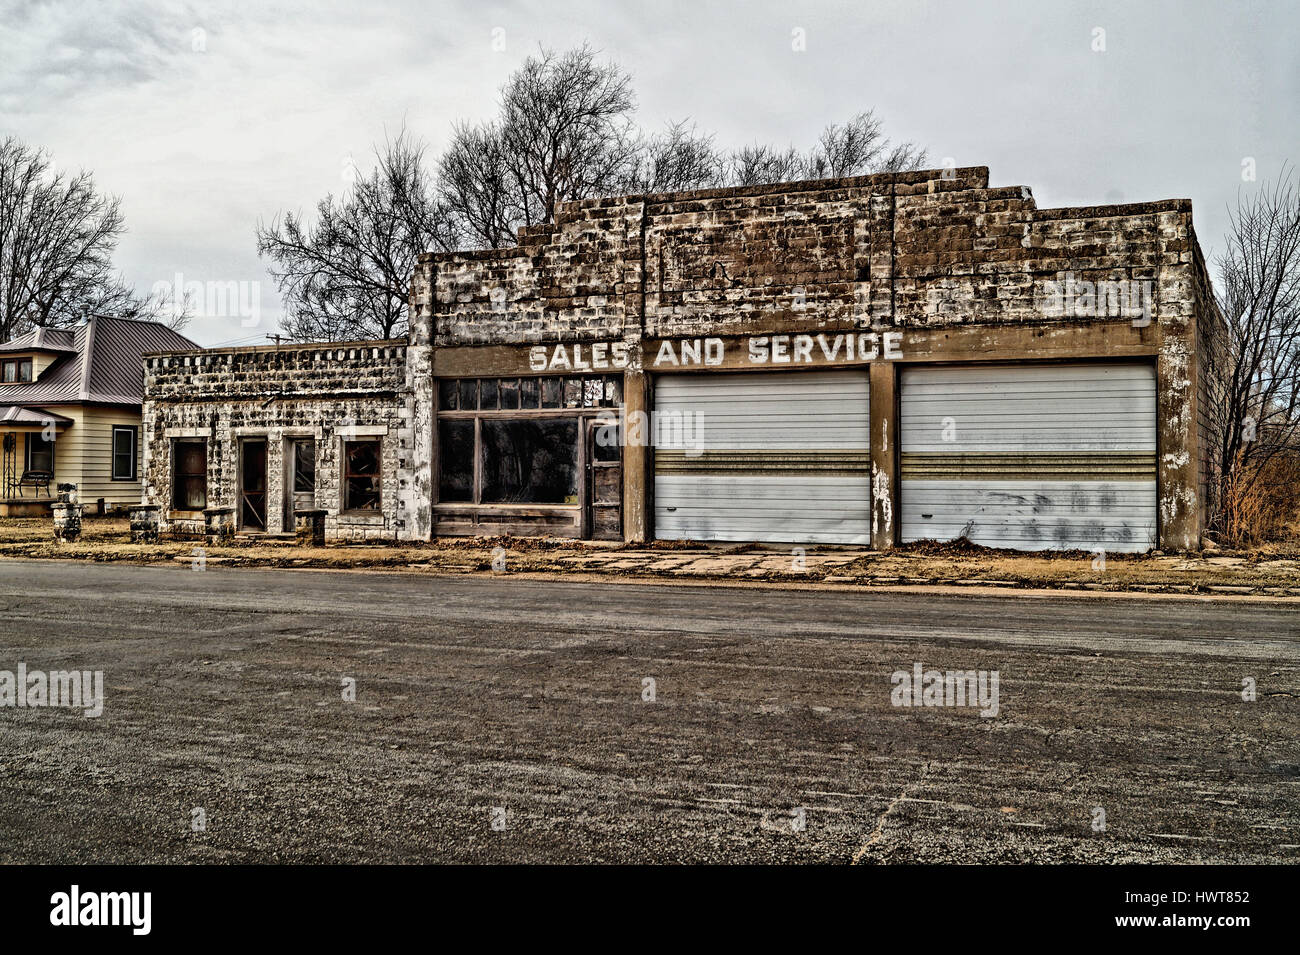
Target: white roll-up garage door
x=1030, y=457
x=763, y=456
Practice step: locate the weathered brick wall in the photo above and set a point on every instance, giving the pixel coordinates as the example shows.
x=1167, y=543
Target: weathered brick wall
x=924, y=249
x=562, y=282
x=329, y=392
x=929, y=251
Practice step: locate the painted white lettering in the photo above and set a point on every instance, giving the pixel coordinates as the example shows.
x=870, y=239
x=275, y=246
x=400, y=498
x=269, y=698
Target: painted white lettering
x=666, y=353
x=893, y=345
x=691, y=352
x=830, y=353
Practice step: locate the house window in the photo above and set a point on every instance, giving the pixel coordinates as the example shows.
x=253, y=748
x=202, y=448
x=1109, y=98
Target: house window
x=40, y=453
x=361, y=473
x=124, y=443
x=190, y=475
x=16, y=370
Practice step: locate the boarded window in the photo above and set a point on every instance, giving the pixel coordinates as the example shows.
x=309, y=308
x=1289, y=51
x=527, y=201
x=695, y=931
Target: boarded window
x=530, y=460
x=456, y=454
x=124, y=438
x=190, y=475
x=361, y=475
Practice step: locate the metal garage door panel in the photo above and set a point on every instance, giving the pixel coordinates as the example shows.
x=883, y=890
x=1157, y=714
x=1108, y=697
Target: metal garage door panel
x=1033, y=515
x=781, y=457
x=1030, y=457
x=1028, y=407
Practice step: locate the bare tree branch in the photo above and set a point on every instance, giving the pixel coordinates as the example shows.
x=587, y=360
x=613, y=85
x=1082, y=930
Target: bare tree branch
x=347, y=275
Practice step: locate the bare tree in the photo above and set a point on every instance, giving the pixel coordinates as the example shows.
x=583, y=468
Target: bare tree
x=477, y=187
x=859, y=147
x=57, y=239
x=856, y=148
x=566, y=123
x=757, y=165
x=678, y=159
x=347, y=275
x=1256, y=378
x=565, y=132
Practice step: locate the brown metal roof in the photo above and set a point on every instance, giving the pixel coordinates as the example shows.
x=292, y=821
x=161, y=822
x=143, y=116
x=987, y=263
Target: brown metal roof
x=13, y=415
x=43, y=340
x=102, y=366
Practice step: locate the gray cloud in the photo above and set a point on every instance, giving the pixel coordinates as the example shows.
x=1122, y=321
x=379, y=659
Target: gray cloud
x=201, y=143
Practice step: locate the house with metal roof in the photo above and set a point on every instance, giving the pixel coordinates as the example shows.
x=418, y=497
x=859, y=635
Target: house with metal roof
x=70, y=401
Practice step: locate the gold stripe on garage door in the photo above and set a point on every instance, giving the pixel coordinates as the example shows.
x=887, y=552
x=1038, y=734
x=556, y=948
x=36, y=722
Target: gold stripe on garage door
x=1028, y=465
x=825, y=463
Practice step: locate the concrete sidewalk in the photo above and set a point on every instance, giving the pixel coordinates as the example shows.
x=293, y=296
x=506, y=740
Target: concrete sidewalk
x=1272, y=573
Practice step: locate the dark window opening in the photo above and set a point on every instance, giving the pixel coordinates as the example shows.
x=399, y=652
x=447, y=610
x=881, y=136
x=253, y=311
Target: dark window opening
x=530, y=393
x=456, y=457
x=304, y=466
x=530, y=460
x=448, y=392
x=361, y=475
x=124, y=445
x=508, y=389
x=190, y=475
x=468, y=394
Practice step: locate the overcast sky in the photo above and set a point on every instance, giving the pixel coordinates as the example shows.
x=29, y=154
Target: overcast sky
x=205, y=116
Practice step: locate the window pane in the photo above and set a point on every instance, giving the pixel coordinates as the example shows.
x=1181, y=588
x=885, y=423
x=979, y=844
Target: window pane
x=456, y=461
x=530, y=393
x=487, y=394
x=607, y=443
x=508, y=388
x=593, y=390
x=573, y=392
x=40, y=453
x=448, y=392
x=10, y=371
x=25, y=370
x=552, y=392
x=123, y=454
x=361, y=487
x=530, y=461
x=468, y=394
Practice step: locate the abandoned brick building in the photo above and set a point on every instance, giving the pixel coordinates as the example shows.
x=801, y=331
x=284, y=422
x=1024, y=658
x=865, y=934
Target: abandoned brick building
x=865, y=361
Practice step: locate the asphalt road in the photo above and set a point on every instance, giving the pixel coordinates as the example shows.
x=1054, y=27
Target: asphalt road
x=224, y=693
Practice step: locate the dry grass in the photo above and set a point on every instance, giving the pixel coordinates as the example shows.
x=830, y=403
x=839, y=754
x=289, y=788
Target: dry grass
x=1262, y=504
x=1275, y=566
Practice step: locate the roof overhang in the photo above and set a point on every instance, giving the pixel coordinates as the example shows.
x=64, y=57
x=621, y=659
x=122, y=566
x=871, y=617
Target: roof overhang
x=18, y=418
